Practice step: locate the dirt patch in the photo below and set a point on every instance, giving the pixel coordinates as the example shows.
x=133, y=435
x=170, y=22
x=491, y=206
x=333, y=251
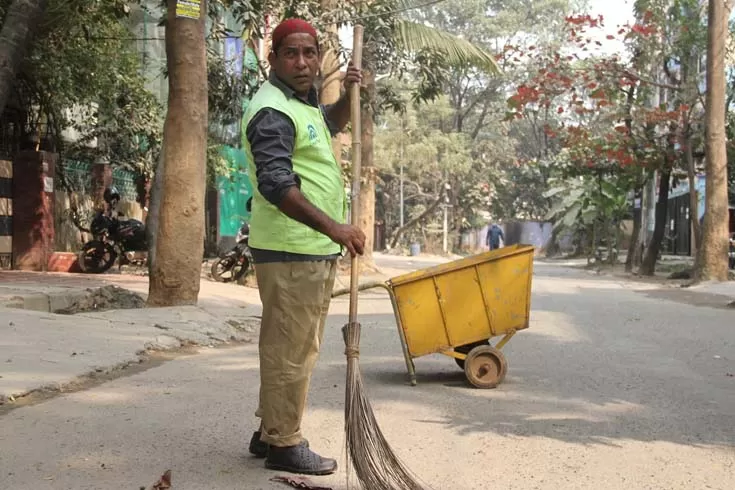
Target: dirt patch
x=694, y=298
x=663, y=275
x=109, y=297
x=668, y=274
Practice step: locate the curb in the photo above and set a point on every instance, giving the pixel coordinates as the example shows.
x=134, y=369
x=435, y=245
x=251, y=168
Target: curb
x=158, y=330
x=43, y=302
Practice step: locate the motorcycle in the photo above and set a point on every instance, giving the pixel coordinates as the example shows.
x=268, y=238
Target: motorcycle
x=233, y=265
x=113, y=237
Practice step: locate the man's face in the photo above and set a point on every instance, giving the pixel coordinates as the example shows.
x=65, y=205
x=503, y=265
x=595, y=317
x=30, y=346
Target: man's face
x=296, y=62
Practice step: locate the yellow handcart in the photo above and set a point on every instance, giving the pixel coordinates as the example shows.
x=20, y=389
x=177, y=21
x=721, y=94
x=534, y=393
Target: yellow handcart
x=456, y=308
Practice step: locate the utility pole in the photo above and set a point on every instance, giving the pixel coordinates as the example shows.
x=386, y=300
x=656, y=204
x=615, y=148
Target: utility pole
x=403, y=131
x=648, y=199
x=401, y=182
x=445, y=206
x=444, y=243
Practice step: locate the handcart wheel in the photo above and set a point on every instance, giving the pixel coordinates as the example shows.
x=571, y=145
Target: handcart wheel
x=465, y=349
x=485, y=367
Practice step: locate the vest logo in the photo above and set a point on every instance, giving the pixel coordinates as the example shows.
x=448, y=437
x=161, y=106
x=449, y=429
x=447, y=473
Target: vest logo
x=312, y=133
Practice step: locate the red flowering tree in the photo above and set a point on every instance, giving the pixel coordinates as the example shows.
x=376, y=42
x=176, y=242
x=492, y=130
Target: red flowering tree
x=599, y=110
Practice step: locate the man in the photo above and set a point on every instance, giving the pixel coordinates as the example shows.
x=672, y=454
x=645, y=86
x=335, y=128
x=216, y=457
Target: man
x=296, y=236
x=494, y=234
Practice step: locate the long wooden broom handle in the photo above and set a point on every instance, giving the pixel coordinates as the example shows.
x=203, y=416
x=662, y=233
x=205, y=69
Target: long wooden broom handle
x=356, y=166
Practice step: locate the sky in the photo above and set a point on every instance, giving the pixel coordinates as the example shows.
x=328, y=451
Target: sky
x=615, y=13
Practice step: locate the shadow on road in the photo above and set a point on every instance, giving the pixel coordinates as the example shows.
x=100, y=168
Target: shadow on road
x=600, y=364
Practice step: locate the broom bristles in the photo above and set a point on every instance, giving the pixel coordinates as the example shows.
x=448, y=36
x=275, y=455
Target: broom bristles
x=376, y=465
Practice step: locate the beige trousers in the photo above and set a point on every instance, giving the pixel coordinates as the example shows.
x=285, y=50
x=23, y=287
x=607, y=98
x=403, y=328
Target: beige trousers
x=295, y=297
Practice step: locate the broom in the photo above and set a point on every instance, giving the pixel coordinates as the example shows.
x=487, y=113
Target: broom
x=375, y=464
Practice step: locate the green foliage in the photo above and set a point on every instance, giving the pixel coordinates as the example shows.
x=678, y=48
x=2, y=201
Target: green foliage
x=83, y=73
x=430, y=158
x=228, y=95
x=393, y=44
x=508, y=157
x=578, y=203
x=227, y=90
x=590, y=207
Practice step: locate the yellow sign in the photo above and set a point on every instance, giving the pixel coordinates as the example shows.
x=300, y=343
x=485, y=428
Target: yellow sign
x=189, y=9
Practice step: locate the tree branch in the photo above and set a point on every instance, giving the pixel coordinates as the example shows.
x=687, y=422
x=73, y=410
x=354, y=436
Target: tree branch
x=481, y=120
x=648, y=81
x=396, y=235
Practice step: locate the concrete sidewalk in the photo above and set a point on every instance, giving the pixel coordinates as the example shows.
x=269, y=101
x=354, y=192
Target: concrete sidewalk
x=47, y=352
x=44, y=351
x=709, y=294
x=50, y=291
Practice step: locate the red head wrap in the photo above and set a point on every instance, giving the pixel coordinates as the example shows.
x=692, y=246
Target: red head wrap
x=291, y=26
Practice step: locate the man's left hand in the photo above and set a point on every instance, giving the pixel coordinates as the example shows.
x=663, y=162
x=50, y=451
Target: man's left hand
x=352, y=76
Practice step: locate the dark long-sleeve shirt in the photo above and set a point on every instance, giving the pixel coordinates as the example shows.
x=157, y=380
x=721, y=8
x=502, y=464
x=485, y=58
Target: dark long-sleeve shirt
x=272, y=136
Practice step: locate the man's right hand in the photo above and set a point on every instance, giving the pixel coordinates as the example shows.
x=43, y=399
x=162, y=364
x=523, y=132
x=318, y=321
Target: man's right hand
x=350, y=237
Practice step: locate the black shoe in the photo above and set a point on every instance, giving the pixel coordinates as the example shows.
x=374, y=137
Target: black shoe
x=258, y=448
x=299, y=459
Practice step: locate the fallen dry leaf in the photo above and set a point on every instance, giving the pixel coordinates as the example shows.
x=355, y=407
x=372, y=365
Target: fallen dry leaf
x=163, y=483
x=299, y=482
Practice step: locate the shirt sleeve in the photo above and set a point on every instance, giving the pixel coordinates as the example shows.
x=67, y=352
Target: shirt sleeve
x=333, y=130
x=271, y=135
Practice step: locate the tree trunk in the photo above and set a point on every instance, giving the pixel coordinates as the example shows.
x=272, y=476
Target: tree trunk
x=712, y=255
x=180, y=235
x=690, y=92
x=367, y=188
x=635, y=234
x=21, y=20
x=154, y=212
x=331, y=88
x=633, y=258
x=647, y=204
x=648, y=267
x=552, y=248
x=693, y=193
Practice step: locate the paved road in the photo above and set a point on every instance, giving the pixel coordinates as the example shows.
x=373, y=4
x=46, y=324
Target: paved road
x=611, y=388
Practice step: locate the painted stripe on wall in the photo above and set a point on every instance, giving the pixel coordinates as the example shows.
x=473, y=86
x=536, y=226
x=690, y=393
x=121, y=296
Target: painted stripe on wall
x=6, y=245
x=6, y=169
x=6, y=187
x=6, y=212
x=6, y=226
x=6, y=206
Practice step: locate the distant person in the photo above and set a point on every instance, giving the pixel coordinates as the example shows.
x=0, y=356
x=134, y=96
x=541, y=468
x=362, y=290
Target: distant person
x=494, y=235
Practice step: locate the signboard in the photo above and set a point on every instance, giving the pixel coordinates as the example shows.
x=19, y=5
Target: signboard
x=189, y=9
x=234, y=191
x=233, y=56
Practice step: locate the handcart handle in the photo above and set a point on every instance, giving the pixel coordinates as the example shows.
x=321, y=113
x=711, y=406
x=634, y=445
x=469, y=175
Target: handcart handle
x=362, y=287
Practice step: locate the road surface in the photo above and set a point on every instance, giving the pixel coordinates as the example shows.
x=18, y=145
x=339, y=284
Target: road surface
x=610, y=388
